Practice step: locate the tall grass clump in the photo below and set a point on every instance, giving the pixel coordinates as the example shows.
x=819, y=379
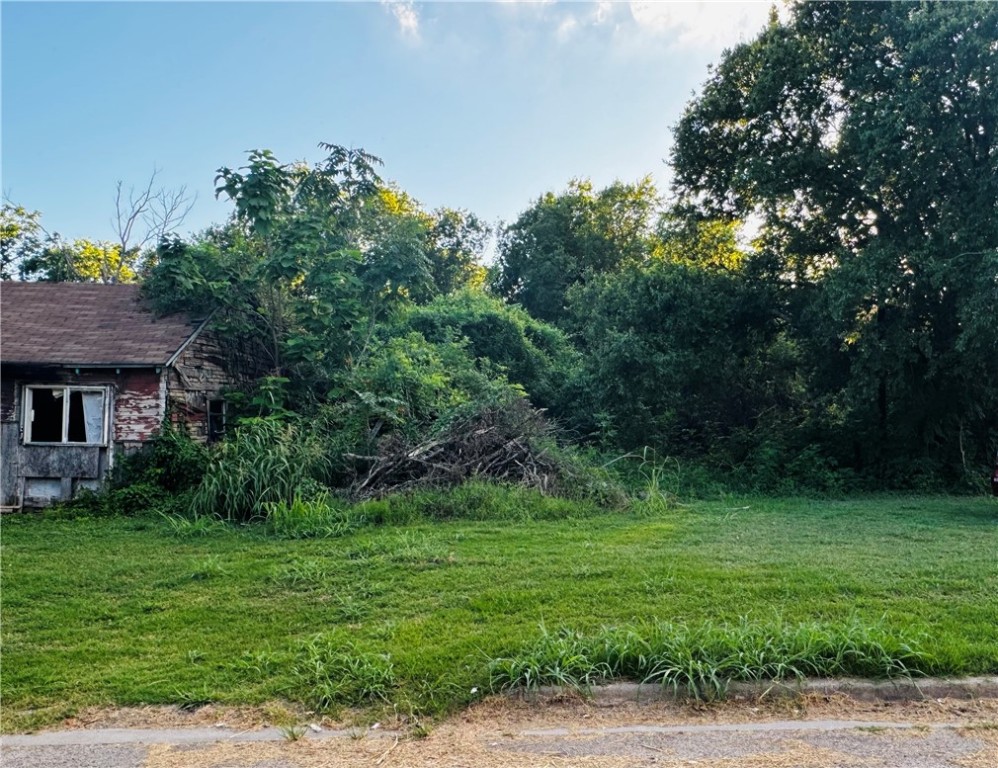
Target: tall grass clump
x=330, y=674
x=476, y=499
x=702, y=660
x=304, y=518
x=266, y=461
x=658, y=482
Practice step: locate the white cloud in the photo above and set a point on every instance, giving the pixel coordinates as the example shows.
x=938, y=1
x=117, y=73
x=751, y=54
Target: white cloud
x=406, y=15
x=603, y=13
x=566, y=28
x=702, y=24
x=604, y=9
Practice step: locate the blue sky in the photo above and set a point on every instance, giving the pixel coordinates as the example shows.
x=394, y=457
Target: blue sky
x=482, y=106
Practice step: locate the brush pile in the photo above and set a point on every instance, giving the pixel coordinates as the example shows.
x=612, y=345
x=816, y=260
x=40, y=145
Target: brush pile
x=510, y=443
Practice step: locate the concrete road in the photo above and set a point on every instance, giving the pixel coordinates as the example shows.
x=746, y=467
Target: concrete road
x=498, y=737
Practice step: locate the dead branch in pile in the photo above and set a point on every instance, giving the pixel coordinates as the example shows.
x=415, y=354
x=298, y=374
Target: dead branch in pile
x=503, y=444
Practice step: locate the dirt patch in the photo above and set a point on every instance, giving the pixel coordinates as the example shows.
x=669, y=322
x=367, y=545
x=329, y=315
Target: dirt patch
x=987, y=757
x=502, y=713
x=554, y=711
x=210, y=715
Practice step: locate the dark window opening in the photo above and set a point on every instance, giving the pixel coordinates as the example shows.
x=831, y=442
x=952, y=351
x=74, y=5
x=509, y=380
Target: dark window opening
x=46, y=415
x=216, y=420
x=77, y=426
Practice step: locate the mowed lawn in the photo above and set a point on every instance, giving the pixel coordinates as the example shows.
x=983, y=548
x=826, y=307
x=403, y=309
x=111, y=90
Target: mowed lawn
x=122, y=611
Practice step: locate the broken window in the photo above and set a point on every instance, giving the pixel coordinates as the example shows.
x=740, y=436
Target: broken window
x=65, y=415
x=216, y=420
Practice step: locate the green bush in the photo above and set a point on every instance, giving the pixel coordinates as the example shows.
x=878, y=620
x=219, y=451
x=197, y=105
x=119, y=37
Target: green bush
x=113, y=502
x=171, y=460
x=534, y=355
x=404, y=386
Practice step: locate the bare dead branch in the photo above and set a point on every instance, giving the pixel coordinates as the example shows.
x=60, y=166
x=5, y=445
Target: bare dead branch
x=166, y=211
x=127, y=213
x=144, y=216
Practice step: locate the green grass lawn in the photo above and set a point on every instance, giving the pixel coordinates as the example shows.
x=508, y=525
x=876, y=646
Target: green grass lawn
x=122, y=611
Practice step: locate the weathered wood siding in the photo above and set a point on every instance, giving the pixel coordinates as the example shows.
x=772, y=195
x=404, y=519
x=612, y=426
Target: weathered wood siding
x=10, y=464
x=10, y=473
x=207, y=367
x=199, y=374
x=8, y=392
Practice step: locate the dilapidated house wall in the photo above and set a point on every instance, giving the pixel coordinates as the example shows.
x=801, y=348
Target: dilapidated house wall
x=195, y=384
x=33, y=474
x=88, y=373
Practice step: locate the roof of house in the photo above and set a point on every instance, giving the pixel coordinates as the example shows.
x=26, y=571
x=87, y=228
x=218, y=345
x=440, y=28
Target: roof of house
x=77, y=324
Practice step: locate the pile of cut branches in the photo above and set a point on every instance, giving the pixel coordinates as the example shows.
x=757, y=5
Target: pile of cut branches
x=510, y=443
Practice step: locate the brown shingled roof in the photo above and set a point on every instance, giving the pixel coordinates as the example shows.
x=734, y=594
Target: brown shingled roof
x=78, y=324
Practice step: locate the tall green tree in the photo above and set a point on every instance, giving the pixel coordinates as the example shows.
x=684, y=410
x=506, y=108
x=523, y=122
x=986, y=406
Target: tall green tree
x=21, y=238
x=862, y=136
x=81, y=261
x=685, y=352
x=315, y=259
x=287, y=272
x=562, y=240
x=444, y=248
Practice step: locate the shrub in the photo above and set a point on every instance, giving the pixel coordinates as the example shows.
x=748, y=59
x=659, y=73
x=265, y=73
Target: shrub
x=171, y=460
x=117, y=502
x=534, y=355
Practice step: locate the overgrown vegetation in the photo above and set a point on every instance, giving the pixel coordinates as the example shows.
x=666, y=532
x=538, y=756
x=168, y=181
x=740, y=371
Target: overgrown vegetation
x=849, y=346
x=266, y=462
x=158, y=477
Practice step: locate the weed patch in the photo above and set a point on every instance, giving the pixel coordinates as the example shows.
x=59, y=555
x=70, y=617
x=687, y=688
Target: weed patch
x=191, y=528
x=308, y=518
x=329, y=673
x=701, y=660
x=265, y=462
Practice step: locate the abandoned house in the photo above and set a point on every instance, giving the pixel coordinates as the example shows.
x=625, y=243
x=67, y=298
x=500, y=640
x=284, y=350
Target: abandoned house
x=89, y=372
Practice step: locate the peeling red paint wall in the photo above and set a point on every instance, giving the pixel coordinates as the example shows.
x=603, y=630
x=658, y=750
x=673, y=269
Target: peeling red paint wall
x=137, y=407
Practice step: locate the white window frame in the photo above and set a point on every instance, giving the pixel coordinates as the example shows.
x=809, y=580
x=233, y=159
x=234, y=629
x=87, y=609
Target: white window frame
x=28, y=413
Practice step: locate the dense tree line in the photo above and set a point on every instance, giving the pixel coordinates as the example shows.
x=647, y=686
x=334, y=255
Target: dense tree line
x=849, y=334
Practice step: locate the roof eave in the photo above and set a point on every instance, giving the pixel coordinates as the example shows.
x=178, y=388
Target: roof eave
x=50, y=364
